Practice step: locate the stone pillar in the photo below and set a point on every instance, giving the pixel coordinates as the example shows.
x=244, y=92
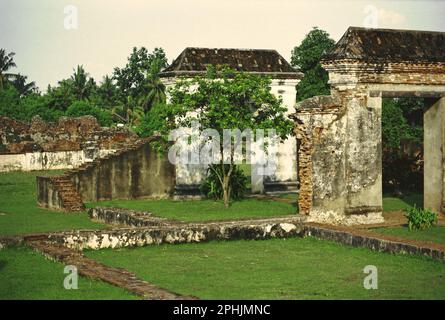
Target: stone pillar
x=320, y=127
x=434, y=156
x=340, y=164
x=363, y=170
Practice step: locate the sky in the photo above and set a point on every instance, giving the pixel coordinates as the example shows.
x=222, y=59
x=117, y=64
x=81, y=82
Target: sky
x=51, y=37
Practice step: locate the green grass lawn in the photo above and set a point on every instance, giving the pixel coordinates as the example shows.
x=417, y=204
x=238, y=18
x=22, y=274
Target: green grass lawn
x=19, y=213
x=288, y=196
x=26, y=275
x=204, y=210
x=391, y=203
x=434, y=234
x=279, y=269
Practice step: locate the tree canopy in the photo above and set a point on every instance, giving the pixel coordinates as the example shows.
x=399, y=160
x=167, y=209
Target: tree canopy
x=222, y=99
x=122, y=97
x=307, y=58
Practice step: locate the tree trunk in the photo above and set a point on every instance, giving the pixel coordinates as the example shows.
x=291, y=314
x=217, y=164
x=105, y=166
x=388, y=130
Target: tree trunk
x=226, y=192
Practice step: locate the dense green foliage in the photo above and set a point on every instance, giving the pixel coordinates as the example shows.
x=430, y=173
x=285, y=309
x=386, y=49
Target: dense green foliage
x=122, y=97
x=83, y=108
x=307, y=58
x=419, y=218
x=212, y=188
x=402, y=131
x=221, y=99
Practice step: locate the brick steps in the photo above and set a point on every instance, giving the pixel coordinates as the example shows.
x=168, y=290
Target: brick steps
x=70, y=197
x=66, y=188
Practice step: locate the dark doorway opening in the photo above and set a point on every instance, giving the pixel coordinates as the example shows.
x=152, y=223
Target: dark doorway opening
x=402, y=149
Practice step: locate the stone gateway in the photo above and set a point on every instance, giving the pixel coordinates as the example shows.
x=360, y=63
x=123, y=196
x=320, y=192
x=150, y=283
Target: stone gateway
x=340, y=155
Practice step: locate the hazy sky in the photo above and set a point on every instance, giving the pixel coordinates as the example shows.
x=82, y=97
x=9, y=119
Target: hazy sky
x=107, y=29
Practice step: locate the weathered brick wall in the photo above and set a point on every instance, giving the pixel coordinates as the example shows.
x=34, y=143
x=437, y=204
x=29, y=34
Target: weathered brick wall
x=137, y=171
x=340, y=154
x=46, y=145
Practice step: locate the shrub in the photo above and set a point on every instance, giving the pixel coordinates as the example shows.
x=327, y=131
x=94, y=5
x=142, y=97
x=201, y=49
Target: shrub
x=83, y=108
x=212, y=187
x=419, y=218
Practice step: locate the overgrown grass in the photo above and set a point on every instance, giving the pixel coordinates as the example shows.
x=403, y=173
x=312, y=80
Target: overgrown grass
x=205, y=210
x=26, y=274
x=19, y=213
x=434, y=234
x=279, y=269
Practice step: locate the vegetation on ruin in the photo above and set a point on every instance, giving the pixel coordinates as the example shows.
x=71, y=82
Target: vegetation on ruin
x=19, y=213
x=279, y=269
x=26, y=274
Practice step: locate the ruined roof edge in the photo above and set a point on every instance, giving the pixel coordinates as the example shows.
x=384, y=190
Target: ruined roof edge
x=274, y=75
x=388, y=45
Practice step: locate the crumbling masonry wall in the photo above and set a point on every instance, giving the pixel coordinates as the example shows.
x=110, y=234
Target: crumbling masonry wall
x=340, y=157
x=335, y=144
x=137, y=171
x=64, y=144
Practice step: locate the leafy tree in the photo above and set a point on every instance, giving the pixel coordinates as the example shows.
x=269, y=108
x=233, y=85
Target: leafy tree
x=6, y=63
x=307, y=58
x=83, y=108
x=153, y=122
x=36, y=104
x=223, y=99
x=82, y=85
x=131, y=79
x=61, y=96
x=155, y=92
x=10, y=103
x=401, y=170
x=24, y=87
x=394, y=125
x=107, y=93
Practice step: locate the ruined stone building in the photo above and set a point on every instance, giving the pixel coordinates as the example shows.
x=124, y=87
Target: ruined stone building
x=194, y=61
x=340, y=158
x=338, y=163
x=67, y=143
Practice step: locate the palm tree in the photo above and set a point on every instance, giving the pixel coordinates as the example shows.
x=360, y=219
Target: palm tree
x=155, y=92
x=80, y=83
x=6, y=63
x=22, y=87
x=107, y=91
